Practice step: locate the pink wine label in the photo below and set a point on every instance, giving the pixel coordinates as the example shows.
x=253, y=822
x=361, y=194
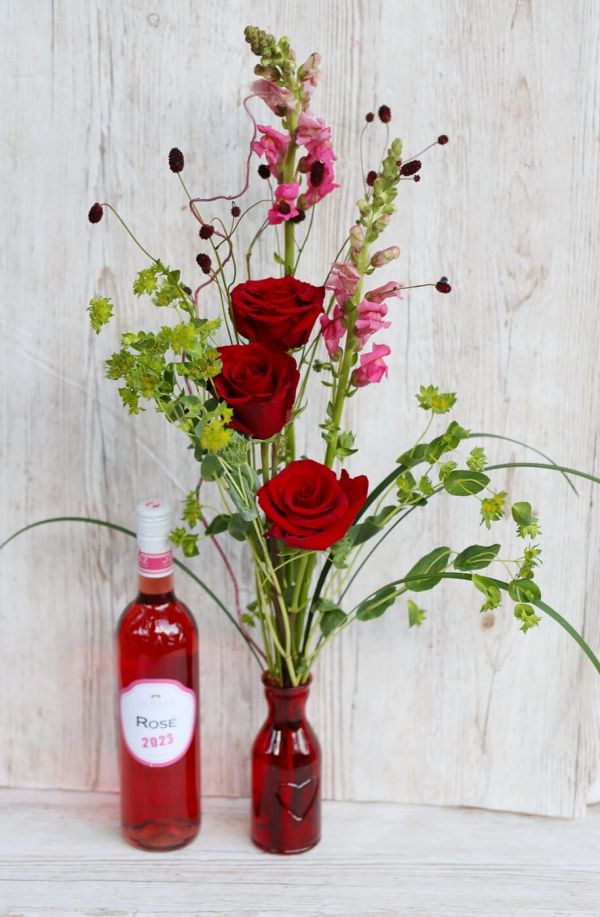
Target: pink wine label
x=155, y=565
x=158, y=718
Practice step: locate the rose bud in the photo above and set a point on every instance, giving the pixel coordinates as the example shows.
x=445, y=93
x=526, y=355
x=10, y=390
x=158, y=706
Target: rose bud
x=308, y=507
x=385, y=256
x=260, y=384
x=277, y=311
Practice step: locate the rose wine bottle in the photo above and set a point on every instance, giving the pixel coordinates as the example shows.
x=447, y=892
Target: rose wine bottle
x=159, y=733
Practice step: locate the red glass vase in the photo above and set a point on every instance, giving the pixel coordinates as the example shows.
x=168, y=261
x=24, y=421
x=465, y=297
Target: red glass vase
x=286, y=775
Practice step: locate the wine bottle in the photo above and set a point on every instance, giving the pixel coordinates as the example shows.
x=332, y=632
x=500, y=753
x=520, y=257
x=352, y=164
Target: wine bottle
x=159, y=731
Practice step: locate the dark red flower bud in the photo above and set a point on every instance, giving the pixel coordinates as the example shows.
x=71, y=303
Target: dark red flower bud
x=317, y=173
x=284, y=207
x=409, y=168
x=417, y=178
x=303, y=164
x=442, y=139
x=371, y=178
x=206, y=231
x=176, y=160
x=235, y=211
x=186, y=290
x=385, y=114
x=204, y=263
x=442, y=286
x=369, y=117
x=264, y=171
x=301, y=215
x=95, y=213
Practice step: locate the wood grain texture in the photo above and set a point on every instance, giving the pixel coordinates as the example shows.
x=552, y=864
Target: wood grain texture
x=61, y=854
x=464, y=710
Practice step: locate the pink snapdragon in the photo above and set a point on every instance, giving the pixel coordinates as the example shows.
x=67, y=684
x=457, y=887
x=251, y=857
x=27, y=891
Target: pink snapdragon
x=278, y=99
x=273, y=145
x=342, y=281
x=315, y=135
x=284, y=206
x=309, y=74
x=373, y=367
x=370, y=320
x=387, y=291
x=312, y=130
x=333, y=330
x=384, y=256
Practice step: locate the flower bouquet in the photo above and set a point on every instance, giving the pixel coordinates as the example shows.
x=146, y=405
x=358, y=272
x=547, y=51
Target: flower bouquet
x=236, y=386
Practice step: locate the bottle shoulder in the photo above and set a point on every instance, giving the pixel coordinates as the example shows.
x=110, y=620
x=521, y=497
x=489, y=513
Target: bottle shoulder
x=162, y=619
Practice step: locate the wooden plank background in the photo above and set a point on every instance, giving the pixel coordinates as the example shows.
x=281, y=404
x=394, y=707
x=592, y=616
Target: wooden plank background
x=464, y=710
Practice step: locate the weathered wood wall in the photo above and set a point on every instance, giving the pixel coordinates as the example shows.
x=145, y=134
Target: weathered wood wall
x=464, y=710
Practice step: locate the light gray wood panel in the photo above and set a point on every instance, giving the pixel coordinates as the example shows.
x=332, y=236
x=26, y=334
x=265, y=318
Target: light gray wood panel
x=465, y=710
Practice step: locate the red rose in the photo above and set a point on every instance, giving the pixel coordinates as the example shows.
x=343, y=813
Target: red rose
x=259, y=383
x=277, y=311
x=308, y=507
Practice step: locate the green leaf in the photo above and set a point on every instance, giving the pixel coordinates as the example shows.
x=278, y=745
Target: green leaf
x=445, y=469
x=414, y=456
x=525, y=613
x=416, y=615
x=211, y=468
x=477, y=459
x=100, y=311
x=476, y=557
x=217, y=525
x=278, y=259
x=377, y=604
x=425, y=573
x=524, y=590
x=331, y=620
x=490, y=590
x=372, y=525
x=465, y=483
x=431, y=399
x=238, y=527
x=527, y=522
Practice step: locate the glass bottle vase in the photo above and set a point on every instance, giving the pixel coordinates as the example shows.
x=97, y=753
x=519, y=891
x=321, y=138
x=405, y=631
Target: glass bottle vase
x=286, y=775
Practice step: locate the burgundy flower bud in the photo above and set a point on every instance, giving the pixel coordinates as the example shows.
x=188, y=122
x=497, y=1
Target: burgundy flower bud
x=176, y=160
x=385, y=114
x=409, y=168
x=417, y=178
x=442, y=139
x=235, y=211
x=264, y=171
x=317, y=173
x=204, y=263
x=442, y=286
x=284, y=207
x=301, y=215
x=369, y=117
x=186, y=290
x=304, y=164
x=96, y=212
x=206, y=231
x=371, y=178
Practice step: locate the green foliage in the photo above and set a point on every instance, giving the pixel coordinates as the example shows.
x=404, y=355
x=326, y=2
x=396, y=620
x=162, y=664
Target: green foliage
x=376, y=604
x=527, y=522
x=218, y=524
x=492, y=508
x=331, y=617
x=426, y=572
x=408, y=491
x=187, y=541
x=192, y=511
x=431, y=399
x=340, y=551
x=524, y=590
x=100, y=311
x=461, y=483
x=416, y=615
x=372, y=525
x=477, y=459
x=445, y=469
x=530, y=560
x=491, y=591
x=476, y=557
x=527, y=616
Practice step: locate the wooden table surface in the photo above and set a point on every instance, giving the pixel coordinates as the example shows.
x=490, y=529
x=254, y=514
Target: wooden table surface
x=61, y=853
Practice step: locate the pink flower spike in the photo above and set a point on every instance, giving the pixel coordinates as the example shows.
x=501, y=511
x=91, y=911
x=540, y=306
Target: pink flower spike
x=309, y=74
x=385, y=256
x=273, y=145
x=373, y=367
x=387, y=291
x=370, y=320
x=284, y=207
x=333, y=331
x=342, y=281
x=278, y=99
